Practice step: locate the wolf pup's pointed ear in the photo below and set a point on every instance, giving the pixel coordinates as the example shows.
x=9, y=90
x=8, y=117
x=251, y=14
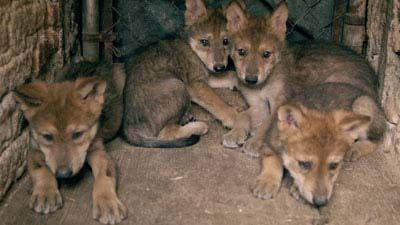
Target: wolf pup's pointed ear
x=277, y=21
x=30, y=97
x=290, y=118
x=91, y=89
x=195, y=12
x=236, y=17
x=354, y=126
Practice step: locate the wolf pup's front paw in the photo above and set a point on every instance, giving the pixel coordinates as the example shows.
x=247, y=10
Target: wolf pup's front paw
x=234, y=138
x=45, y=199
x=252, y=147
x=294, y=192
x=266, y=188
x=108, y=209
x=352, y=156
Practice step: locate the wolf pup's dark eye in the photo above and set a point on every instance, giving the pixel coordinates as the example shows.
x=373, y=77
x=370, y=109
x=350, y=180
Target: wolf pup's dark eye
x=242, y=52
x=77, y=135
x=266, y=54
x=305, y=165
x=205, y=42
x=333, y=166
x=225, y=41
x=48, y=137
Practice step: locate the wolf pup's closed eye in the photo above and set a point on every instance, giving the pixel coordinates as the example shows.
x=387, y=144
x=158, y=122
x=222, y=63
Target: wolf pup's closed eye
x=63, y=121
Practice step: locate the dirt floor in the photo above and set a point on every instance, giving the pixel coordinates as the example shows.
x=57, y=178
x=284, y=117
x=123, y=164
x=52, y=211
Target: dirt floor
x=207, y=184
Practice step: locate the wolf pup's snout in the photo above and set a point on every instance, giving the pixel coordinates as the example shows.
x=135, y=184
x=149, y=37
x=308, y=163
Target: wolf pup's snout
x=63, y=173
x=320, y=201
x=251, y=79
x=219, y=67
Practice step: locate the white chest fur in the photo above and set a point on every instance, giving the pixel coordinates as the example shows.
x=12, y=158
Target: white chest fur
x=262, y=101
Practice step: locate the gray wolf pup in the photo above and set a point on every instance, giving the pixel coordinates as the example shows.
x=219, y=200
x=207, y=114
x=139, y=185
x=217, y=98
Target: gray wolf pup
x=166, y=77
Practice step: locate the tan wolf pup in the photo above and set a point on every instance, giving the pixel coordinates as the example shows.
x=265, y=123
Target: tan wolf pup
x=311, y=136
x=162, y=80
x=257, y=49
x=64, y=121
x=308, y=66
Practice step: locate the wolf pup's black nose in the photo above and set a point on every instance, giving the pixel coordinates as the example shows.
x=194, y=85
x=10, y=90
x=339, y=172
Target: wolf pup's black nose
x=63, y=173
x=219, y=67
x=320, y=201
x=251, y=79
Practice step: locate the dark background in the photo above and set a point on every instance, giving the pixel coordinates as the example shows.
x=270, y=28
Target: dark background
x=142, y=22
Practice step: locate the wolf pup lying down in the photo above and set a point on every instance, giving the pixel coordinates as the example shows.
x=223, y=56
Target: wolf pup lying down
x=311, y=136
x=270, y=72
x=63, y=121
x=163, y=80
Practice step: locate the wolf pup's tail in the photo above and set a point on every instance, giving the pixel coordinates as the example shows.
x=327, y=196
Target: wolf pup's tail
x=146, y=142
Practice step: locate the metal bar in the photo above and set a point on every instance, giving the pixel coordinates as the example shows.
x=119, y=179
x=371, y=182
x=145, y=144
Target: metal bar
x=107, y=23
x=90, y=26
x=337, y=28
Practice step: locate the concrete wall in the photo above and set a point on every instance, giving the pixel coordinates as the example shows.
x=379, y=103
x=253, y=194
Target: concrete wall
x=30, y=49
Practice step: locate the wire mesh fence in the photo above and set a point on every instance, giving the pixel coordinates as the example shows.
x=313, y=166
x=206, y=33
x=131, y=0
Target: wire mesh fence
x=142, y=22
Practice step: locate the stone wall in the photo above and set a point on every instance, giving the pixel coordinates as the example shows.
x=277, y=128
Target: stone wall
x=383, y=53
x=30, y=49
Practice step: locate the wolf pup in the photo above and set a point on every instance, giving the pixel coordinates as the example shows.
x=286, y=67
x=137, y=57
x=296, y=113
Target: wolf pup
x=163, y=80
x=258, y=46
x=114, y=74
x=63, y=121
x=311, y=136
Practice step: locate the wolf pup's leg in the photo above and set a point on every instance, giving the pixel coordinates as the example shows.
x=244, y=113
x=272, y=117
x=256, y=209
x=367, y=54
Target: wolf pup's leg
x=107, y=207
x=227, y=80
x=45, y=197
x=240, y=131
x=269, y=180
x=175, y=131
x=365, y=105
x=202, y=94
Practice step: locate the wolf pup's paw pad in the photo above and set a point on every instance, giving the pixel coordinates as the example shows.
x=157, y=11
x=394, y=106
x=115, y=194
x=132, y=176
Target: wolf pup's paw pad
x=45, y=200
x=234, y=138
x=252, y=147
x=109, y=210
x=265, y=190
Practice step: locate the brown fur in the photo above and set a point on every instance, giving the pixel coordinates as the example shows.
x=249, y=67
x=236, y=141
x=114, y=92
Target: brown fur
x=114, y=75
x=331, y=105
x=63, y=121
x=163, y=80
x=308, y=136
x=266, y=90
x=319, y=125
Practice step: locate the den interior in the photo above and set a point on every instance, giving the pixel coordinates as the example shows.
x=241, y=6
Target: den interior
x=204, y=183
